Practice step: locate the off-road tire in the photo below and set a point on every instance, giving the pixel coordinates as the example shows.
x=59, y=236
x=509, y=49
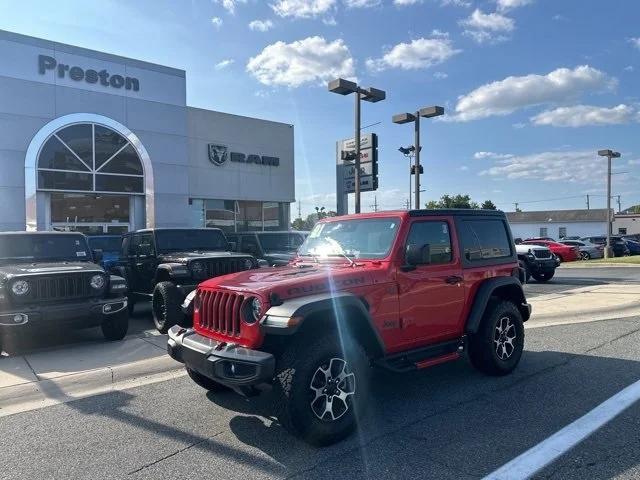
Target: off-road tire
x=131, y=303
x=543, y=276
x=527, y=273
x=483, y=347
x=205, y=382
x=297, y=371
x=115, y=327
x=165, y=304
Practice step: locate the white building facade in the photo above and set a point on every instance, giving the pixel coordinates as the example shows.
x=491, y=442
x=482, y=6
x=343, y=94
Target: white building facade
x=558, y=224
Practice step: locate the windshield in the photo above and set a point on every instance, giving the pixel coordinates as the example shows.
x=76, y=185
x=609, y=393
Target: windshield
x=280, y=242
x=361, y=239
x=106, y=244
x=188, y=240
x=39, y=247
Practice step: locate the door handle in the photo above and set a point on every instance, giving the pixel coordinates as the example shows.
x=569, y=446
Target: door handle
x=453, y=279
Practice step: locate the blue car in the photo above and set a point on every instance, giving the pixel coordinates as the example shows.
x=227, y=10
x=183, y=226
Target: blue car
x=633, y=246
x=110, y=246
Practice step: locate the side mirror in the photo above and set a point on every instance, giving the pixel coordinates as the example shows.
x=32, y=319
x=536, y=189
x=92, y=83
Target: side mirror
x=232, y=246
x=418, y=254
x=97, y=255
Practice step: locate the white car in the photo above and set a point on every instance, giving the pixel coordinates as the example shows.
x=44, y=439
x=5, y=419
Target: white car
x=536, y=261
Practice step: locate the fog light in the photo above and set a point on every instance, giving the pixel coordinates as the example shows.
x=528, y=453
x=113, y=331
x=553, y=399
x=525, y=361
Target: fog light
x=17, y=318
x=107, y=308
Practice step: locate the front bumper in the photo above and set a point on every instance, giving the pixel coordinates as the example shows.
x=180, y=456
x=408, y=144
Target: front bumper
x=542, y=265
x=225, y=363
x=83, y=314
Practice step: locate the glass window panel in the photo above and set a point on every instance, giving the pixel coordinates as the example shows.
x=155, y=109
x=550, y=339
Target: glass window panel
x=485, y=239
x=70, y=207
x=126, y=161
x=115, y=183
x=220, y=214
x=55, y=155
x=79, y=139
x=436, y=235
x=65, y=181
x=249, y=216
x=108, y=142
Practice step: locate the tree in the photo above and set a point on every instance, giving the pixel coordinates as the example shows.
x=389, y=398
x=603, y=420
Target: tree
x=488, y=205
x=453, y=201
x=309, y=222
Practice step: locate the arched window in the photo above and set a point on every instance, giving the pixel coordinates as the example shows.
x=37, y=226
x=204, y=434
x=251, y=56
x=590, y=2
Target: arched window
x=89, y=157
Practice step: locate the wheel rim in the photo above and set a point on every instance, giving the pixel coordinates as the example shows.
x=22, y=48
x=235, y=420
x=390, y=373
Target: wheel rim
x=504, y=338
x=331, y=386
x=584, y=255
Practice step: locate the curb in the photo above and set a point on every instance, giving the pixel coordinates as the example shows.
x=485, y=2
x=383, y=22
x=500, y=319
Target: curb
x=597, y=265
x=33, y=395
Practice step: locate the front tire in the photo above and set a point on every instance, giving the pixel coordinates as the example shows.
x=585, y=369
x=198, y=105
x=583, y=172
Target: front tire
x=496, y=348
x=543, y=276
x=166, y=306
x=205, y=382
x=585, y=256
x=115, y=327
x=320, y=388
x=527, y=274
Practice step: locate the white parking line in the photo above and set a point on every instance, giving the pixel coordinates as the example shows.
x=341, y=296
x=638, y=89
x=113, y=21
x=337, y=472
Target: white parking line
x=538, y=457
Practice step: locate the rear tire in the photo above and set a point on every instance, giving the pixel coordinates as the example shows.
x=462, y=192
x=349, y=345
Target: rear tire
x=543, y=276
x=205, y=382
x=166, y=306
x=115, y=327
x=321, y=388
x=496, y=348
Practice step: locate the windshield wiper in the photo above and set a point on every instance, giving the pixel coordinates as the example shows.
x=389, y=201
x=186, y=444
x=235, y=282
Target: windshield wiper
x=315, y=257
x=342, y=254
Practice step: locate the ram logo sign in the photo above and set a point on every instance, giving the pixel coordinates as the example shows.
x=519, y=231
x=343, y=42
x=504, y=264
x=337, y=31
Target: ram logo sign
x=217, y=154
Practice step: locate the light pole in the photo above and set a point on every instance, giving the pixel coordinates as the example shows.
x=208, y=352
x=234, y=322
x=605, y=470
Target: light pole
x=373, y=95
x=400, y=118
x=608, y=253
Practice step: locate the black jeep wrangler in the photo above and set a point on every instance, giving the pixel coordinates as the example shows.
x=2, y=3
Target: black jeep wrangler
x=50, y=280
x=164, y=265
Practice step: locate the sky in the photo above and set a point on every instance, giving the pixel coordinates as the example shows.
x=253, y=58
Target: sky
x=531, y=88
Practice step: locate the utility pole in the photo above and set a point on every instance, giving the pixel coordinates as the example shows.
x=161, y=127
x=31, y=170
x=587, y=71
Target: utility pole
x=299, y=209
x=516, y=205
x=619, y=205
x=375, y=204
x=407, y=205
x=608, y=252
x=588, y=202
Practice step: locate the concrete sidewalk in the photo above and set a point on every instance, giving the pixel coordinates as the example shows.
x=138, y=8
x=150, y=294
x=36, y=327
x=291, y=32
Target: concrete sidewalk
x=48, y=377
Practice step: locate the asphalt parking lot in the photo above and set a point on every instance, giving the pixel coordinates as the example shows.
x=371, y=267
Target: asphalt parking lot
x=446, y=422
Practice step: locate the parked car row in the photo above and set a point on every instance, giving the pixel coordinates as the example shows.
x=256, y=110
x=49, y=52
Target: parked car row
x=587, y=247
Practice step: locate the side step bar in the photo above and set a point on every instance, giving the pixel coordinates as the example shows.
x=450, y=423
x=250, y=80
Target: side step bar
x=423, y=357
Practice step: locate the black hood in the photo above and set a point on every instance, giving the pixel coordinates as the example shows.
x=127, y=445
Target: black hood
x=47, y=268
x=184, y=257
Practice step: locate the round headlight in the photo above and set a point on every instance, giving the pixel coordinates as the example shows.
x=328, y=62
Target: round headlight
x=197, y=267
x=253, y=310
x=97, y=282
x=248, y=264
x=20, y=287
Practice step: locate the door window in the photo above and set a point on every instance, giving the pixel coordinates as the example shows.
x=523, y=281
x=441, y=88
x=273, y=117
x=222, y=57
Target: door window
x=485, y=239
x=437, y=235
x=249, y=245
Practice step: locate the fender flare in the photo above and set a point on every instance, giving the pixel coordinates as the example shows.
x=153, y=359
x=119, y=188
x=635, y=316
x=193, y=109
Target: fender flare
x=288, y=318
x=484, y=294
x=173, y=270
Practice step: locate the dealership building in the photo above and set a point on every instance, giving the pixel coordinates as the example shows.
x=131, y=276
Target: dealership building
x=99, y=143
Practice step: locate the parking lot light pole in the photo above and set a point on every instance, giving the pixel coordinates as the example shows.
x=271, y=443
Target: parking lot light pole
x=608, y=253
x=400, y=118
x=373, y=95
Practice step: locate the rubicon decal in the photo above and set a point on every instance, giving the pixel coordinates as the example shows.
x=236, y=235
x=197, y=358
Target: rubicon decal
x=78, y=74
x=324, y=286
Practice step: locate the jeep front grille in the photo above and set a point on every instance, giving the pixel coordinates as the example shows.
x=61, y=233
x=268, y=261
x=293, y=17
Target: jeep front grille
x=215, y=268
x=220, y=312
x=542, y=253
x=56, y=288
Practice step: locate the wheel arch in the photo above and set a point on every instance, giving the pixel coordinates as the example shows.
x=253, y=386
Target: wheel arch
x=506, y=288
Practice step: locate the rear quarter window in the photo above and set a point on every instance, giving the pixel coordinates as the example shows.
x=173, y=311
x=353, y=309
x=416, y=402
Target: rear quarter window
x=485, y=240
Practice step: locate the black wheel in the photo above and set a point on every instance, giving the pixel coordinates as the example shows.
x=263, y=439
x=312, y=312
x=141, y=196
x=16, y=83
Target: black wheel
x=131, y=303
x=166, y=306
x=585, y=256
x=205, y=382
x=497, y=346
x=321, y=388
x=543, y=276
x=115, y=326
x=525, y=274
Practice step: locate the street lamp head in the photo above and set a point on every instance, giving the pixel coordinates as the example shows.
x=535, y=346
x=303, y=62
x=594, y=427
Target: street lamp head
x=605, y=153
x=407, y=150
x=401, y=118
x=342, y=86
x=429, y=112
x=615, y=155
x=373, y=95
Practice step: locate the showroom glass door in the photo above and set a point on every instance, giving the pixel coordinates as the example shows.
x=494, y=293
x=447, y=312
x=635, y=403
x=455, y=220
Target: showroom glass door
x=91, y=214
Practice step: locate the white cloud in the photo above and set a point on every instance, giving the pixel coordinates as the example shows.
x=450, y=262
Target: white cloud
x=513, y=93
x=224, y=64
x=635, y=41
x=510, y=4
x=440, y=75
x=420, y=53
x=491, y=155
x=485, y=27
x=519, y=125
x=439, y=33
x=302, y=8
x=216, y=22
x=628, y=68
x=456, y=3
x=261, y=25
x=362, y=3
x=463, y=168
x=582, y=115
x=230, y=5
x=311, y=60
x=572, y=166
x=402, y=3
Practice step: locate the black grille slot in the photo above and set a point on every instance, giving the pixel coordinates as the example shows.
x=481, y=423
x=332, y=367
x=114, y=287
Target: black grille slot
x=59, y=287
x=215, y=268
x=542, y=253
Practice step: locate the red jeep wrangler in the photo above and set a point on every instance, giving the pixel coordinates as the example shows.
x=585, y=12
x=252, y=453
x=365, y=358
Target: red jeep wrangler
x=396, y=290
